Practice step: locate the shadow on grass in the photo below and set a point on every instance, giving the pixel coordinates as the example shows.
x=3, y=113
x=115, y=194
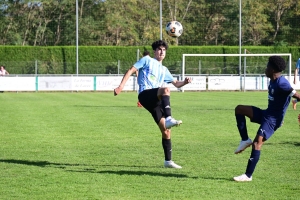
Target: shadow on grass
x=37, y=163
x=217, y=178
x=297, y=144
x=101, y=106
x=122, y=106
x=89, y=170
x=62, y=165
x=130, y=172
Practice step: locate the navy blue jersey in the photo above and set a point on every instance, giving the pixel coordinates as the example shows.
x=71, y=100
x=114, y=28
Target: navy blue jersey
x=280, y=92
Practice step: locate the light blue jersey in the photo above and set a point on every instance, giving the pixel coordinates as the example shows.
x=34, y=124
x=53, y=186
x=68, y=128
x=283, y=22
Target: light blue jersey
x=152, y=74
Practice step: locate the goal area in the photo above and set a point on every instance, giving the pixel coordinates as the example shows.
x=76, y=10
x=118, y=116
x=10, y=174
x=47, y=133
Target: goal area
x=239, y=72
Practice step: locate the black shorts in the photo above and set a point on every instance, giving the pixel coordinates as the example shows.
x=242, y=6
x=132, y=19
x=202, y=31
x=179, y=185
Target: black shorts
x=149, y=100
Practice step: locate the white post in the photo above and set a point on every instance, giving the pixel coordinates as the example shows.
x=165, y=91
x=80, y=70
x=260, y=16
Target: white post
x=77, y=38
x=199, y=67
x=240, y=42
x=138, y=55
x=245, y=65
x=160, y=18
x=118, y=67
x=35, y=67
x=183, y=69
x=290, y=67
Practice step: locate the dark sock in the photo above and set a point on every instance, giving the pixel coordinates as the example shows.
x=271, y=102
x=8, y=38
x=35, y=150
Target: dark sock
x=241, y=124
x=167, y=146
x=254, y=158
x=165, y=102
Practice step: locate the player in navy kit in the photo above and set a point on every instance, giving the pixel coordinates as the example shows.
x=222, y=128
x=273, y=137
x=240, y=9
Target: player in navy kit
x=280, y=93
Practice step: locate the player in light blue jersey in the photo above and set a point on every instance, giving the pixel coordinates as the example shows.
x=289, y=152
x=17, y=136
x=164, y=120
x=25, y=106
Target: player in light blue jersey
x=154, y=96
x=296, y=79
x=146, y=53
x=270, y=119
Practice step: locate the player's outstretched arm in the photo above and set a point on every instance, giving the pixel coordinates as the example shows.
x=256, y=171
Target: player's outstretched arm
x=126, y=76
x=297, y=96
x=295, y=76
x=180, y=84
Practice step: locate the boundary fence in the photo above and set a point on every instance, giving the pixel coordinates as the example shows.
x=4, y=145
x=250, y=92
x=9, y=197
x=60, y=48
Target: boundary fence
x=108, y=83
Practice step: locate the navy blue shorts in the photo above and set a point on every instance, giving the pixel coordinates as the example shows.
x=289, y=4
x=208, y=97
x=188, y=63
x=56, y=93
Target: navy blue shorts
x=150, y=101
x=268, y=124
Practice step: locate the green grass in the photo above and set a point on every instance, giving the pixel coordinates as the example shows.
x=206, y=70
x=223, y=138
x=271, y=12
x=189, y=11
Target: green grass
x=97, y=146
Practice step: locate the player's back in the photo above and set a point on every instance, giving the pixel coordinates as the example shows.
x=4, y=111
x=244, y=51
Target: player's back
x=278, y=95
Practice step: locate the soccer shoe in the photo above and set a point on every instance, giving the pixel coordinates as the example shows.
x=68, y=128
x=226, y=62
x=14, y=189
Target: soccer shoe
x=243, y=145
x=171, y=164
x=242, y=178
x=294, y=104
x=172, y=122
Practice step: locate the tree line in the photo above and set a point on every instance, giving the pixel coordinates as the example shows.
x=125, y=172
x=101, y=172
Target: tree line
x=137, y=22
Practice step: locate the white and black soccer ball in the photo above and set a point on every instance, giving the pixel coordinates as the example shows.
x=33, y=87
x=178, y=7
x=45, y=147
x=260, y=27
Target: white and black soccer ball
x=174, y=29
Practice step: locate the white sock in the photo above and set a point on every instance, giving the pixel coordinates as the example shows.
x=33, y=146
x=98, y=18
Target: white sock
x=168, y=118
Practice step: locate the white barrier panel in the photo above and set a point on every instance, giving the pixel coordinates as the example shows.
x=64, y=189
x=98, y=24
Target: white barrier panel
x=223, y=83
x=297, y=86
x=256, y=83
x=252, y=83
x=265, y=83
x=198, y=83
x=107, y=83
x=110, y=83
x=17, y=83
x=55, y=83
x=82, y=83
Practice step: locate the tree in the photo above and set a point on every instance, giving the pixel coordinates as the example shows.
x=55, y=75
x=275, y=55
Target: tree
x=255, y=23
x=135, y=22
x=278, y=8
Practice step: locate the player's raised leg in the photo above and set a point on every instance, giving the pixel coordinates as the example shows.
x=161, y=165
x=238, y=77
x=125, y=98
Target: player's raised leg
x=240, y=112
x=164, y=95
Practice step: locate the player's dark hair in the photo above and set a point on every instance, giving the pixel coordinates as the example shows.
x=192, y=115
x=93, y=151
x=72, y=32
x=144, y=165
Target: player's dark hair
x=277, y=63
x=146, y=53
x=159, y=43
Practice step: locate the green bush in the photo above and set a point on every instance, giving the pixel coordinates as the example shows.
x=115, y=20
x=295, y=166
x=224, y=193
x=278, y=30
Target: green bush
x=105, y=59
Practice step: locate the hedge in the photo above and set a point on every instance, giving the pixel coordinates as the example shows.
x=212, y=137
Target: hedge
x=104, y=59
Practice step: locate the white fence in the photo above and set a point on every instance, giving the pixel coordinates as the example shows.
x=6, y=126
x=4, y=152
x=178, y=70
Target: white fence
x=108, y=83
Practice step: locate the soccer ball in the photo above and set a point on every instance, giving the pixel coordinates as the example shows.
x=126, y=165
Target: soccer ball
x=174, y=29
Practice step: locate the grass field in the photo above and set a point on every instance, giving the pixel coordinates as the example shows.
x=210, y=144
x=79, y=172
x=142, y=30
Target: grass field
x=97, y=146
